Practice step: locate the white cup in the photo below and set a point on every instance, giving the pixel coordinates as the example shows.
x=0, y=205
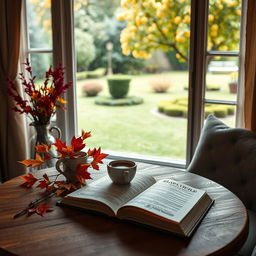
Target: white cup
x=121, y=171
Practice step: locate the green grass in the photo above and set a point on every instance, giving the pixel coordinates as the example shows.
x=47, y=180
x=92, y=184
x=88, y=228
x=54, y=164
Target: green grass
x=136, y=129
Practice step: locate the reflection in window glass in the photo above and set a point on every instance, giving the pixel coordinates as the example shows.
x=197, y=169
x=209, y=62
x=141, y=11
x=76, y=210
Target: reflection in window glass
x=224, y=25
x=40, y=63
x=39, y=23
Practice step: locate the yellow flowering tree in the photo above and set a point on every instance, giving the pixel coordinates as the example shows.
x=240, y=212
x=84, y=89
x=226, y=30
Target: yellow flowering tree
x=165, y=24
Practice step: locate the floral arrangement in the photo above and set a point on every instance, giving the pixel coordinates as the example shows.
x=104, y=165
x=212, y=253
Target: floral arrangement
x=59, y=187
x=43, y=99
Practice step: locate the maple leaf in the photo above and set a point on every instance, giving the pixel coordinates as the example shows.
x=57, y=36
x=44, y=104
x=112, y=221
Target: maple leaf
x=29, y=179
x=61, y=148
x=67, y=186
x=42, y=148
x=85, y=135
x=97, y=158
x=40, y=209
x=59, y=144
x=91, y=152
x=77, y=144
x=44, y=183
x=47, y=157
x=33, y=162
x=82, y=174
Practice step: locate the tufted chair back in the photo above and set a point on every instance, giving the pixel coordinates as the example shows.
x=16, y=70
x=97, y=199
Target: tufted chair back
x=227, y=156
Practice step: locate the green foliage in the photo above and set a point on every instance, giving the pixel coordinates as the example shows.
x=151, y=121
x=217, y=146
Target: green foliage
x=81, y=75
x=99, y=72
x=220, y=111
x=231, y=110
x=108, y=101
x=174, y=61
x=120, y=63
x=179, y=106
x=212, y=87
x=175, y=110
x=85, y=49
x=209, y=87
x=118, y=85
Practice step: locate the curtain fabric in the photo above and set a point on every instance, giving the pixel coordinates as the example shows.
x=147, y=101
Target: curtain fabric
x=250, y=68
x=12, y=124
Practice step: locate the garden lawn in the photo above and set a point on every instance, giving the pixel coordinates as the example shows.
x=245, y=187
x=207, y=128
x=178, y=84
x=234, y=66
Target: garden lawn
x=138, y=128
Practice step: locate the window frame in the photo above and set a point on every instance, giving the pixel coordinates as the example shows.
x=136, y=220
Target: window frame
x=63, y=52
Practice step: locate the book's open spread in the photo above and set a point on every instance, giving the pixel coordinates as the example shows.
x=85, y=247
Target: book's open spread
x=165, y=204
x=111, y=195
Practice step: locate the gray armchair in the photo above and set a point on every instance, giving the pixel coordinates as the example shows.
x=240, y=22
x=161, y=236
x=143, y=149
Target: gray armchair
x=228, y=156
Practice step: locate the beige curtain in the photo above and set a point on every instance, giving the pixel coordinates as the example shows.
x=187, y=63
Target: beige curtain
x=12, y=125
x=250, y=68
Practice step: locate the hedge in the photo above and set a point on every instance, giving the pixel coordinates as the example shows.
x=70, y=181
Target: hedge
x=178, y=107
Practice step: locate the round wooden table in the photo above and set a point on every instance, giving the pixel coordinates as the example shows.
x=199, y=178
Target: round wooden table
x=67, y=231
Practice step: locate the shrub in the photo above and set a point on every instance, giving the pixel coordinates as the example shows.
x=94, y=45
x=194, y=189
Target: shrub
x=209, y=87
x=231, y=110
x=175, y=110
x=131, y=100
x=212, y=87
x=91, y=88
x=99, y=72
x=118, y=85
x=160, y=83
x=220, y=111
x=178, y=107
x=81, y=75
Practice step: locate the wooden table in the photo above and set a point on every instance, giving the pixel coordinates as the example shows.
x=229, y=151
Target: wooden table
x=67, y=231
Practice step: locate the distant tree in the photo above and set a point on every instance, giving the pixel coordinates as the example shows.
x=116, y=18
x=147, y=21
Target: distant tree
x=85, y=49
x=165, y=24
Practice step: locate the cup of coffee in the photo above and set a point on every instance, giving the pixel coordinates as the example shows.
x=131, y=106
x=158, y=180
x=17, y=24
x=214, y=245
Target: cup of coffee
x=121, y=171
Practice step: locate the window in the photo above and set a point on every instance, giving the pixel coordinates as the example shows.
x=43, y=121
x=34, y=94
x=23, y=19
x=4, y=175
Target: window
x=38, y=36
x=212, y=48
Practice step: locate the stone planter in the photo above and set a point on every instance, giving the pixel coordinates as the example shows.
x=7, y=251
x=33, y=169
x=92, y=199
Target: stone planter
x=118, y=86
x=233, y=87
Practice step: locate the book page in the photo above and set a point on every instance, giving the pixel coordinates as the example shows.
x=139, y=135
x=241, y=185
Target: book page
x=168, y=199
x=113, y=195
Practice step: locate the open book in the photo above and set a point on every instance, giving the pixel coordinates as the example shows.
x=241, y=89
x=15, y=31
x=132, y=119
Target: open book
x=164, y=204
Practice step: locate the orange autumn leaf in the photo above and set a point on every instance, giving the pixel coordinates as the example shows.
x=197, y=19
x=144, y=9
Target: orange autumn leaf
x=33, y=162
x=67, y=186
x=29, y=179
x=42, y=148
x=82, y=174
x=85, y=135
x=97, y=158
x=44, y=183
x=77, y=144
x=61, y=100
x=40, y=209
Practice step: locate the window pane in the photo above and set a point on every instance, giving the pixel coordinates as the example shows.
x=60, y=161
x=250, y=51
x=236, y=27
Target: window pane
x=39, y=23
x=222, y=78
x=40, y=63
x=124, y=40
x=226, y=113
x=224, y=25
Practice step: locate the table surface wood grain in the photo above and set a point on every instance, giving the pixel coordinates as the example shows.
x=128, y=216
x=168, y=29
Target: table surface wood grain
x=66, y=231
